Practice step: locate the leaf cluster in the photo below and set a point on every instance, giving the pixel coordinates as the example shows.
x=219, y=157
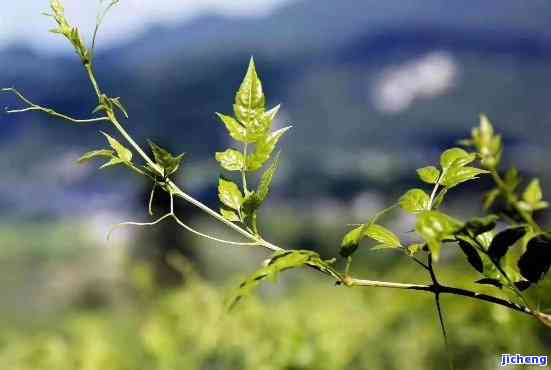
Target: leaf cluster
x=250, y=126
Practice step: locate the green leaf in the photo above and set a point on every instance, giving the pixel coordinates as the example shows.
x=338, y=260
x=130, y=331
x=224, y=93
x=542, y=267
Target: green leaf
x=434, y=227
x=229, y=215
x=414, y=201
x=231, y=160
x=229, y=194
x=480, y=225
x=351, y=241
x=235, y=129
x=163, y=158
x=117, y=103
x=113, y=162
x=456, y=157
x=254, y=200
x=414, y=248
x=504, y=240
x=250, y=101
x=535, y=262
x=532, y=197
x=472, y=255
x=489, y=146
x=457, y=175
x=259, y=126
x=123, y=153
x=266, y=179
x=251, y=203
x=264, y=149
x=95, y=154
x=490, y=281
x=429, y=174
x=280, y=261
x=382, y=235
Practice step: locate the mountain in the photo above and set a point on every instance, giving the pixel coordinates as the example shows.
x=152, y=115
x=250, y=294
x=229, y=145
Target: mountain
x=327, y=62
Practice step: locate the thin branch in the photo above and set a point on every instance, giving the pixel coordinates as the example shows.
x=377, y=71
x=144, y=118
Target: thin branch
x=442, y=289
x=443, y=328
x=99, y=21
x=51, y=112
x=190, y=229
x=436, y=284
x=131, y=223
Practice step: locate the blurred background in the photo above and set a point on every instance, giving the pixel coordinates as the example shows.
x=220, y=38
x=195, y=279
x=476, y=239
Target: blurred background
x=373, y=89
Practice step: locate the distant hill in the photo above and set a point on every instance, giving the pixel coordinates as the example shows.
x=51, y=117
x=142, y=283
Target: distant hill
x=322, y=59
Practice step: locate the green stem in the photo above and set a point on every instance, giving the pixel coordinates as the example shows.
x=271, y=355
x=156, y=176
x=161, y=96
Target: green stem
x=244, y=171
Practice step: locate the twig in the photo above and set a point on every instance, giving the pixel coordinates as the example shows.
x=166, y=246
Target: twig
x=51, y=112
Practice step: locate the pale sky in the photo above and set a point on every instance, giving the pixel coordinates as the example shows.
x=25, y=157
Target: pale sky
x=21, y=20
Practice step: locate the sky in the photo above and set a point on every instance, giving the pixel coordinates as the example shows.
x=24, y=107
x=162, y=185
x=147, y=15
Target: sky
x=22, y=21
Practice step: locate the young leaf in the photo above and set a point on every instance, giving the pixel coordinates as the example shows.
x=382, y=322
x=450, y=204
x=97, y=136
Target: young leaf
x=382, y=235
x=229, y=194
x=163, y=158
x=351, y=241
x=266, y=179
x=254, y=200
x=504, y=240
x=249, y=99
x=95, y=154
x=429, y=174
x=113, y=162
x=415, y=248
x=259, y=126
x=533, y=193
x=456, y=157
x=434, y=227
x=229, y=215
x=414, y=201
x=264, y=148
x=235, y=129
x=532, y=197
x=117, y=103
x=280, y=261
x=456, y=175
x=231, y=160
x=535, y=262
x=123, y=153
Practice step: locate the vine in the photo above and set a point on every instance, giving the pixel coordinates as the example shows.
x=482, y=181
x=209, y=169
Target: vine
x=486, y=249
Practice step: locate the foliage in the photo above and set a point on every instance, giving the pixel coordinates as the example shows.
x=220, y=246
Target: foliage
x=507, y=247
x=187, y=328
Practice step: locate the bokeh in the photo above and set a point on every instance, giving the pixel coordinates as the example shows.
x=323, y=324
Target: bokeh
x=373, y=89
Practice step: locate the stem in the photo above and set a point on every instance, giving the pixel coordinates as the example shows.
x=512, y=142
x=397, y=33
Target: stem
x=188, y=228
x=51, y=112
x=442, y=289
x=92, y=78
x=436, y=285
x=243, y=171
